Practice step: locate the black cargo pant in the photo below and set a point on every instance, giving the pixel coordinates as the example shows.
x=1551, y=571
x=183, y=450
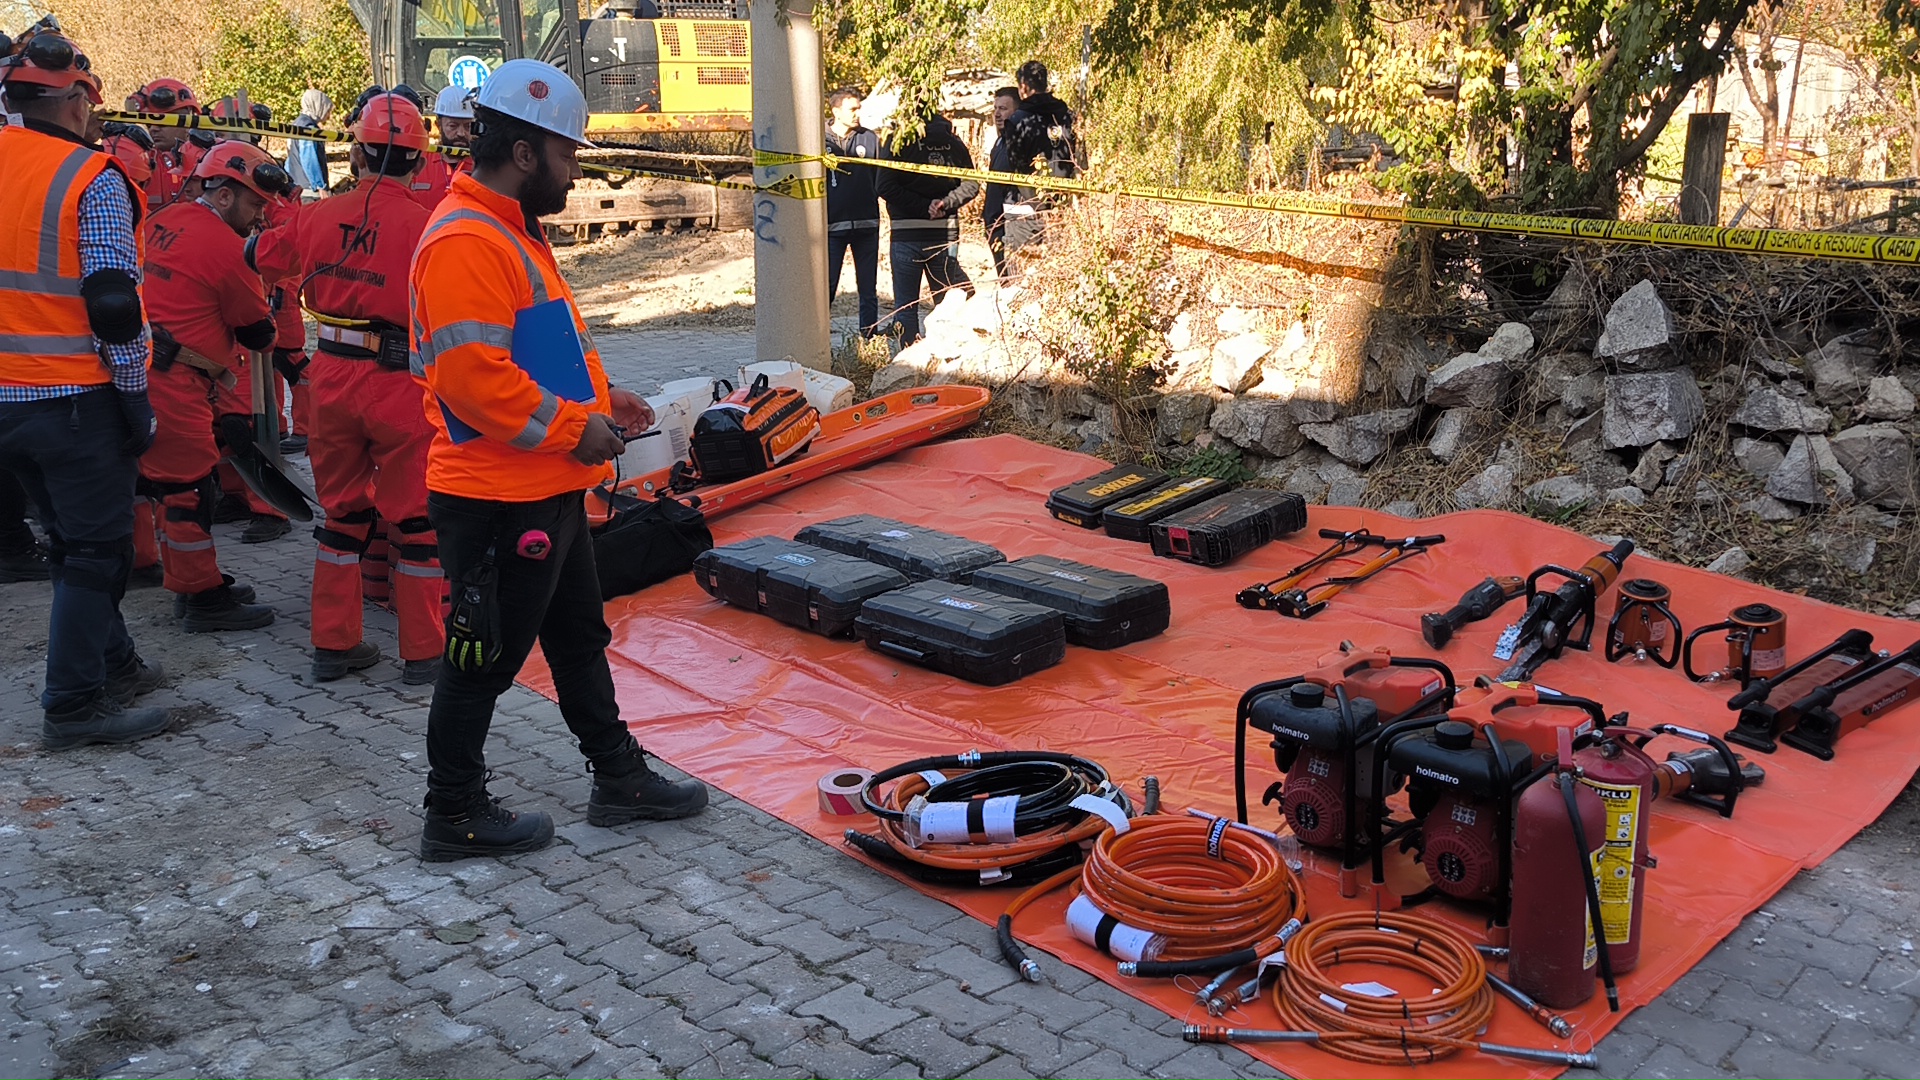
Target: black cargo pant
x=555, y=600
x=66, y=454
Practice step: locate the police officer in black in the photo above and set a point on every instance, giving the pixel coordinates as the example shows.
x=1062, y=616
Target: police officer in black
x=853, y=206
x=1040, y=141
x=924, y=212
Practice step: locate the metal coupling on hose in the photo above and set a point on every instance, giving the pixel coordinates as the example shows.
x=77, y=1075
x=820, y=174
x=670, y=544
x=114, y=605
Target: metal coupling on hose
x=1565, y=1058
x=1030, y=971
x=1129, y=969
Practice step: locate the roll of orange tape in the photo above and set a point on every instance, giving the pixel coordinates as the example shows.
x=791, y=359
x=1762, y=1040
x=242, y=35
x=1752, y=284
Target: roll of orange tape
x=840, y=792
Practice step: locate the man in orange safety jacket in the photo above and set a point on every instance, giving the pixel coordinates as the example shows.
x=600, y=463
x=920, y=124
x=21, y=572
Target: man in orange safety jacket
x=507, y=474
x=369, y=436
x=206, y=304
x=74, y=408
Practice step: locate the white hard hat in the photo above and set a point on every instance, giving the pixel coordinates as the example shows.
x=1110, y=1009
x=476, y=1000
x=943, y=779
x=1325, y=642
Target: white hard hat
x=453, y=104
x=539, y=94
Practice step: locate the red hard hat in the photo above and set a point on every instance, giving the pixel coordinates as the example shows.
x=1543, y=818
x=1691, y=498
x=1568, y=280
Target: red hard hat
x=391, y=120
x=52, y=61
x=132, y=158
x=239, y=160
x=168, y=96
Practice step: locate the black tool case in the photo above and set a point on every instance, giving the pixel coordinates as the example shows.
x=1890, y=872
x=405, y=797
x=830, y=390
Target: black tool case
x=1081, y=503
x=921, y=554
x=1104, y=608
x=1132, y=519
x=799, y=584
x=1221, y=530
x=979, y=636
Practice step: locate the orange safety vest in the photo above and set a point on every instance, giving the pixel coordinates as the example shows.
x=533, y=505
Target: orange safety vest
x=475, y=269
x=45, y=337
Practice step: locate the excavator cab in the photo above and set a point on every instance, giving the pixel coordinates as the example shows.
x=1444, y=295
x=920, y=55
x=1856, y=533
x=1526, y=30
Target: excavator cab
x=645, y=66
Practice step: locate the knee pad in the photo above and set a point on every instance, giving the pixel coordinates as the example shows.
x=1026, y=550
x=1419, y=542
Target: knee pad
x=350, y=531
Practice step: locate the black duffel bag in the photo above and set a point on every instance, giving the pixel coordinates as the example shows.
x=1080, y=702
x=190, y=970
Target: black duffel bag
x=647, y=542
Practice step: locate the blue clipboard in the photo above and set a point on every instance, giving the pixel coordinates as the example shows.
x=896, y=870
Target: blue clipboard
x=547, y=347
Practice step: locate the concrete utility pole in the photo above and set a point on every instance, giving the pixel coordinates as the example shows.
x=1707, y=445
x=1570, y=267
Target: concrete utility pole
x=790, y=225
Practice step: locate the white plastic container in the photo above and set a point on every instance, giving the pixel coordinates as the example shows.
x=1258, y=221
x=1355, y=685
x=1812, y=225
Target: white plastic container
x=778, y=373
x=673, y=418
x=651, y=451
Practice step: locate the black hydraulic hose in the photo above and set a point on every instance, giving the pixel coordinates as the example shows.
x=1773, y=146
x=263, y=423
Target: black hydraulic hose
x=1593, y=891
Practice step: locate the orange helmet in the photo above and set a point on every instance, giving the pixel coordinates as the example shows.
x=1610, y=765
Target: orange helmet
x=167, y=96
x=391, y=120
x=246, y=163
x=132, y=157
x=50, y=61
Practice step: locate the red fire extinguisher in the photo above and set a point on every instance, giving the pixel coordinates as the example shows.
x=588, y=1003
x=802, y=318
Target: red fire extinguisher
x=1557, y=843
x=1615, y=768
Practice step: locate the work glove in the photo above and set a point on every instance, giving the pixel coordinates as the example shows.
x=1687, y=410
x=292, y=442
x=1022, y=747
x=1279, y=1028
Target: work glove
x=473, y=624
x=141, y=425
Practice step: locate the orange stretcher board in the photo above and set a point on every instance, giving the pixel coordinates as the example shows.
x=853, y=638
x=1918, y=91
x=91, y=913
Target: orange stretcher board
x=763, y=711
x=848, y=437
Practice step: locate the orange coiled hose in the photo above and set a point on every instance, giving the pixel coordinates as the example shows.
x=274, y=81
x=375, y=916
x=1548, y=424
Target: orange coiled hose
x=1161, y=876
x=1409, y=1030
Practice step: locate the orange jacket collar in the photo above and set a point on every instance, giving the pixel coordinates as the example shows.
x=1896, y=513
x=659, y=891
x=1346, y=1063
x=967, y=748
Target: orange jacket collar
x=499, y=206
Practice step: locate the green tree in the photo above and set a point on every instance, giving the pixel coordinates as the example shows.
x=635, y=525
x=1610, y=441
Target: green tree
x=910, y=44
x=274, y=56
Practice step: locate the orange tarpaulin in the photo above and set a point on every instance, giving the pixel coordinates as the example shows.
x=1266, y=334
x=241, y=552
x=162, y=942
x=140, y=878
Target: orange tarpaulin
x=763, y=710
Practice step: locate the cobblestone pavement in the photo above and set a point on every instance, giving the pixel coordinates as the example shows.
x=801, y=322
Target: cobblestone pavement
x=241, y=897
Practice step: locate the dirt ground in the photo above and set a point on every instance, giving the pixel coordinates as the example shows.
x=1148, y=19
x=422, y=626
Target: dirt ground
x=656, y=280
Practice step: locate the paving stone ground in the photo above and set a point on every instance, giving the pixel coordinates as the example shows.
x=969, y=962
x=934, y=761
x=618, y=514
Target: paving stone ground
x=241, y=896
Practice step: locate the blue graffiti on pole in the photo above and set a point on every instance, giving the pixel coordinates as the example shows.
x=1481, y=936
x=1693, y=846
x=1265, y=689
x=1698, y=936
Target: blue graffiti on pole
x=764, y=211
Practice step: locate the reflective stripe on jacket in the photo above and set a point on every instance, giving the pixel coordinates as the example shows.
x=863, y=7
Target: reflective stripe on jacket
x=477, y=266
x=45, y=337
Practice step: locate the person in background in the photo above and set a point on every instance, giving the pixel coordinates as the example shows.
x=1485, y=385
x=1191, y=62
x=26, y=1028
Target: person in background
x=370, y=432
x=923, y=211
x=211, y=306
x=853, y=206
x=1006, y=101
x=74, y=412
x=507, y=497
x=171, y=168
x=1040, y=141
x=453, y=118
x=307, y=158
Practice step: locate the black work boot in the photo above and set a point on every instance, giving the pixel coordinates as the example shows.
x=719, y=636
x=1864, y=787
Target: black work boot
x=331, y=664
x=241, y=593
x=626, y=789
x=28, y=565
x=137, y=679
x=476, y=824
x=100, y=720
x=218, y=609
x=230, y=508
x=420, y=672
x=265, y=527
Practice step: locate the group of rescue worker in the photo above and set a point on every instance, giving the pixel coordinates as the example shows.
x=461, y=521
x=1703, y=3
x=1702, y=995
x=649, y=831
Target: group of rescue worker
x=147, y=278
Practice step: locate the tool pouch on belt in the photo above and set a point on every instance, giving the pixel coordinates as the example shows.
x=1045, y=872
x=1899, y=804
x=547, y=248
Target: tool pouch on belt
x=473, y=623
x=393, y=352
x=750, y=431
x=646, y=542
x=167, y=352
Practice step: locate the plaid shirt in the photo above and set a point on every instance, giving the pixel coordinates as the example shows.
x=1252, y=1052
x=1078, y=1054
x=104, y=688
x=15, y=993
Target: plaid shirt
x=106, y=241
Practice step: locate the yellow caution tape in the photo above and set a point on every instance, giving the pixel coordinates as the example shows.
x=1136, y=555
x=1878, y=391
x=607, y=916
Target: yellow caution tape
x=1853, y=247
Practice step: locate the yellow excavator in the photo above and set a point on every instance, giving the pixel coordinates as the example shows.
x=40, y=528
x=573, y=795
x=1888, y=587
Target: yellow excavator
x=669, y=87
x=646, y=66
